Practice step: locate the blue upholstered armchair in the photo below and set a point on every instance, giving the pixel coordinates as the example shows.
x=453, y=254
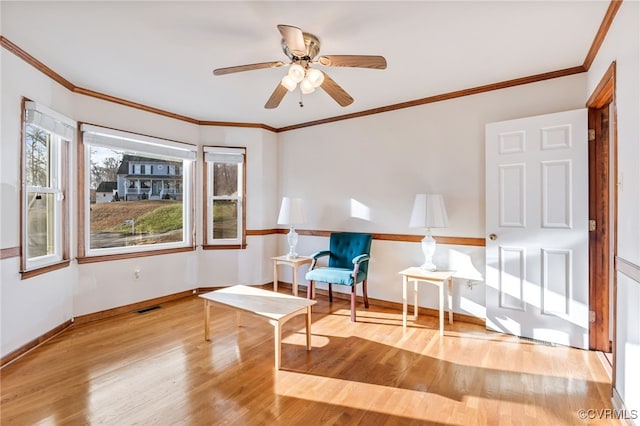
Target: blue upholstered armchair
x=348, y=265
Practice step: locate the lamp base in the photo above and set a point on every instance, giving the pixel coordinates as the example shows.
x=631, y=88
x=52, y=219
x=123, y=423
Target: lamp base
x=428, y=267
x=428, y=248
x=292, y=240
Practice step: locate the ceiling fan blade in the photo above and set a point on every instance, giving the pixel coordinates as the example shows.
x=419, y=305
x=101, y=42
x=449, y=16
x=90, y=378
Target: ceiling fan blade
x=276, y=97
x=249, y=67
x=358, y=61
x=294, y=39
x=334, y=90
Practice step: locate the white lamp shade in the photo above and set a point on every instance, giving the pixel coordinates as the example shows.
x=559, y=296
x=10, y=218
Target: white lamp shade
x=316, y=77
x=428, y=212
x=291, y=212
x=289, y=83
x=306, y=86
x=296, y=72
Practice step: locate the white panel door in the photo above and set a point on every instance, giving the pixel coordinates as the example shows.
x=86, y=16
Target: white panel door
x=537, y=253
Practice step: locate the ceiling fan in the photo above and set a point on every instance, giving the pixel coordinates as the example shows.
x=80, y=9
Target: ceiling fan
x=302, y=50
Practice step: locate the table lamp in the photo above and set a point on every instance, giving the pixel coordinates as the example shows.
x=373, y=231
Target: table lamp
x=428, y=212
x=291, y=214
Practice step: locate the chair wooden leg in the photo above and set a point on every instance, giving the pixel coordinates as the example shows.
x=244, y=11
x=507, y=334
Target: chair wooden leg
x=364, y=294
x=353, y=303
x=330, y=293
x=310, y=289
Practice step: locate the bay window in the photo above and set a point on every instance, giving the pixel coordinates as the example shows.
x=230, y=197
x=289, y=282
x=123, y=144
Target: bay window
x=131, y=204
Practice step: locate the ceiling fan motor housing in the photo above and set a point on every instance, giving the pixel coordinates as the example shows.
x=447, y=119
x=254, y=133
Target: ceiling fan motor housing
x=312, y=45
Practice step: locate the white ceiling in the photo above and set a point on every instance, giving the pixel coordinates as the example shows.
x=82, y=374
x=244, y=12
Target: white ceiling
x=162, y=54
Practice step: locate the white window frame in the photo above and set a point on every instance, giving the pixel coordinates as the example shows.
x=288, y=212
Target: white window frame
x=144, y=146
x=62, y=131
x=214, y=155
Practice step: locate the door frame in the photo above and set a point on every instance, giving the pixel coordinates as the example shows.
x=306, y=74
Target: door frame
x=603, y=167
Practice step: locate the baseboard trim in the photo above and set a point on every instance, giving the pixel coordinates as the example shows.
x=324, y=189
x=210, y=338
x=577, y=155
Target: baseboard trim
x=12, y=356
x=618, y=405
x=605, y=364
x=108, y=313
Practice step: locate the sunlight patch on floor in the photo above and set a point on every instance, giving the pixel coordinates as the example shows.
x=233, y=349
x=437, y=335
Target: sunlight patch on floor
x=342, y=393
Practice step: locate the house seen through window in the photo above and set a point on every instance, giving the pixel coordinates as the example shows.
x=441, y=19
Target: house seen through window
x=134, y=202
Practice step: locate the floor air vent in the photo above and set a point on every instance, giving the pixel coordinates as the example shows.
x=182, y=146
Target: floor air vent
x=151, y=308
x=539, y=342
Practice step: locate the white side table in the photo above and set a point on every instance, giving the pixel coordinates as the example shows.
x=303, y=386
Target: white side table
x=437, y=278
x=295, y=263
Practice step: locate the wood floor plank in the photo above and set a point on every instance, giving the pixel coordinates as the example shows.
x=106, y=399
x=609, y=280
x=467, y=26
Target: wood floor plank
x=156, y=368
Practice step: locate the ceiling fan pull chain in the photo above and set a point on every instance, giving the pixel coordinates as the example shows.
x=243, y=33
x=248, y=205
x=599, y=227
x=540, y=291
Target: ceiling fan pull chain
x=300, y=101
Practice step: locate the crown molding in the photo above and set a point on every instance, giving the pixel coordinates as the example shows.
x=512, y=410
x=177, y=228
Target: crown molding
x=602, y=33
x=445, y=96
x=607, y=20
x=16, y=50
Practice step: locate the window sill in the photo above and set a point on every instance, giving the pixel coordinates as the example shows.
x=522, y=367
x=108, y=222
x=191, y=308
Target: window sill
x=224, y=246
x=30, y=273
x=120, y=256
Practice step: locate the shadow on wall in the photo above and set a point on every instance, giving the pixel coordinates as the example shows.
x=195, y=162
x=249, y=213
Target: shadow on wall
x=466, y=263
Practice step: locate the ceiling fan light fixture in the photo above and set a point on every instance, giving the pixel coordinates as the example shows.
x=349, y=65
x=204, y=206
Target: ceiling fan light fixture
x=316, y=77
x=296, y=72
x=302, y=49
x=288, y=82
x=306, y=86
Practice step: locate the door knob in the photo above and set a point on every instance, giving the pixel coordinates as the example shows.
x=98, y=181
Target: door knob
x=493, y=237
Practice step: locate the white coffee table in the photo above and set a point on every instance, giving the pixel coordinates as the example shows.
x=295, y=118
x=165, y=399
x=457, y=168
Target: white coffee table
x=276, y=308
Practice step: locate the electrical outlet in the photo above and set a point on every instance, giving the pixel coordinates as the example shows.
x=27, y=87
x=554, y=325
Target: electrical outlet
x=136, y=274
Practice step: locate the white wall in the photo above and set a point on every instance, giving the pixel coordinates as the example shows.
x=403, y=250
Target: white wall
x=253, y=265
x=30, y=308
x=362, y=175
x=628, y=342
x=622, y=45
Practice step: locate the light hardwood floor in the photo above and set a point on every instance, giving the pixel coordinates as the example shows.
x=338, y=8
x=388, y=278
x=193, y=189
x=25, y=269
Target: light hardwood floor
x=156, y=368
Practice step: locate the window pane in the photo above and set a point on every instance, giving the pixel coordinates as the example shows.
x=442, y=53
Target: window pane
x=225, y=179
x=37, y=146
x=40, y=225
x=135, y=202
x=225, y=219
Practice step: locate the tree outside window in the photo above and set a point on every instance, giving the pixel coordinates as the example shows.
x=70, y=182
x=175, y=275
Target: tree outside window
x=40, y=194
x=225, y=196
x=225, y=201
x=44, y=203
